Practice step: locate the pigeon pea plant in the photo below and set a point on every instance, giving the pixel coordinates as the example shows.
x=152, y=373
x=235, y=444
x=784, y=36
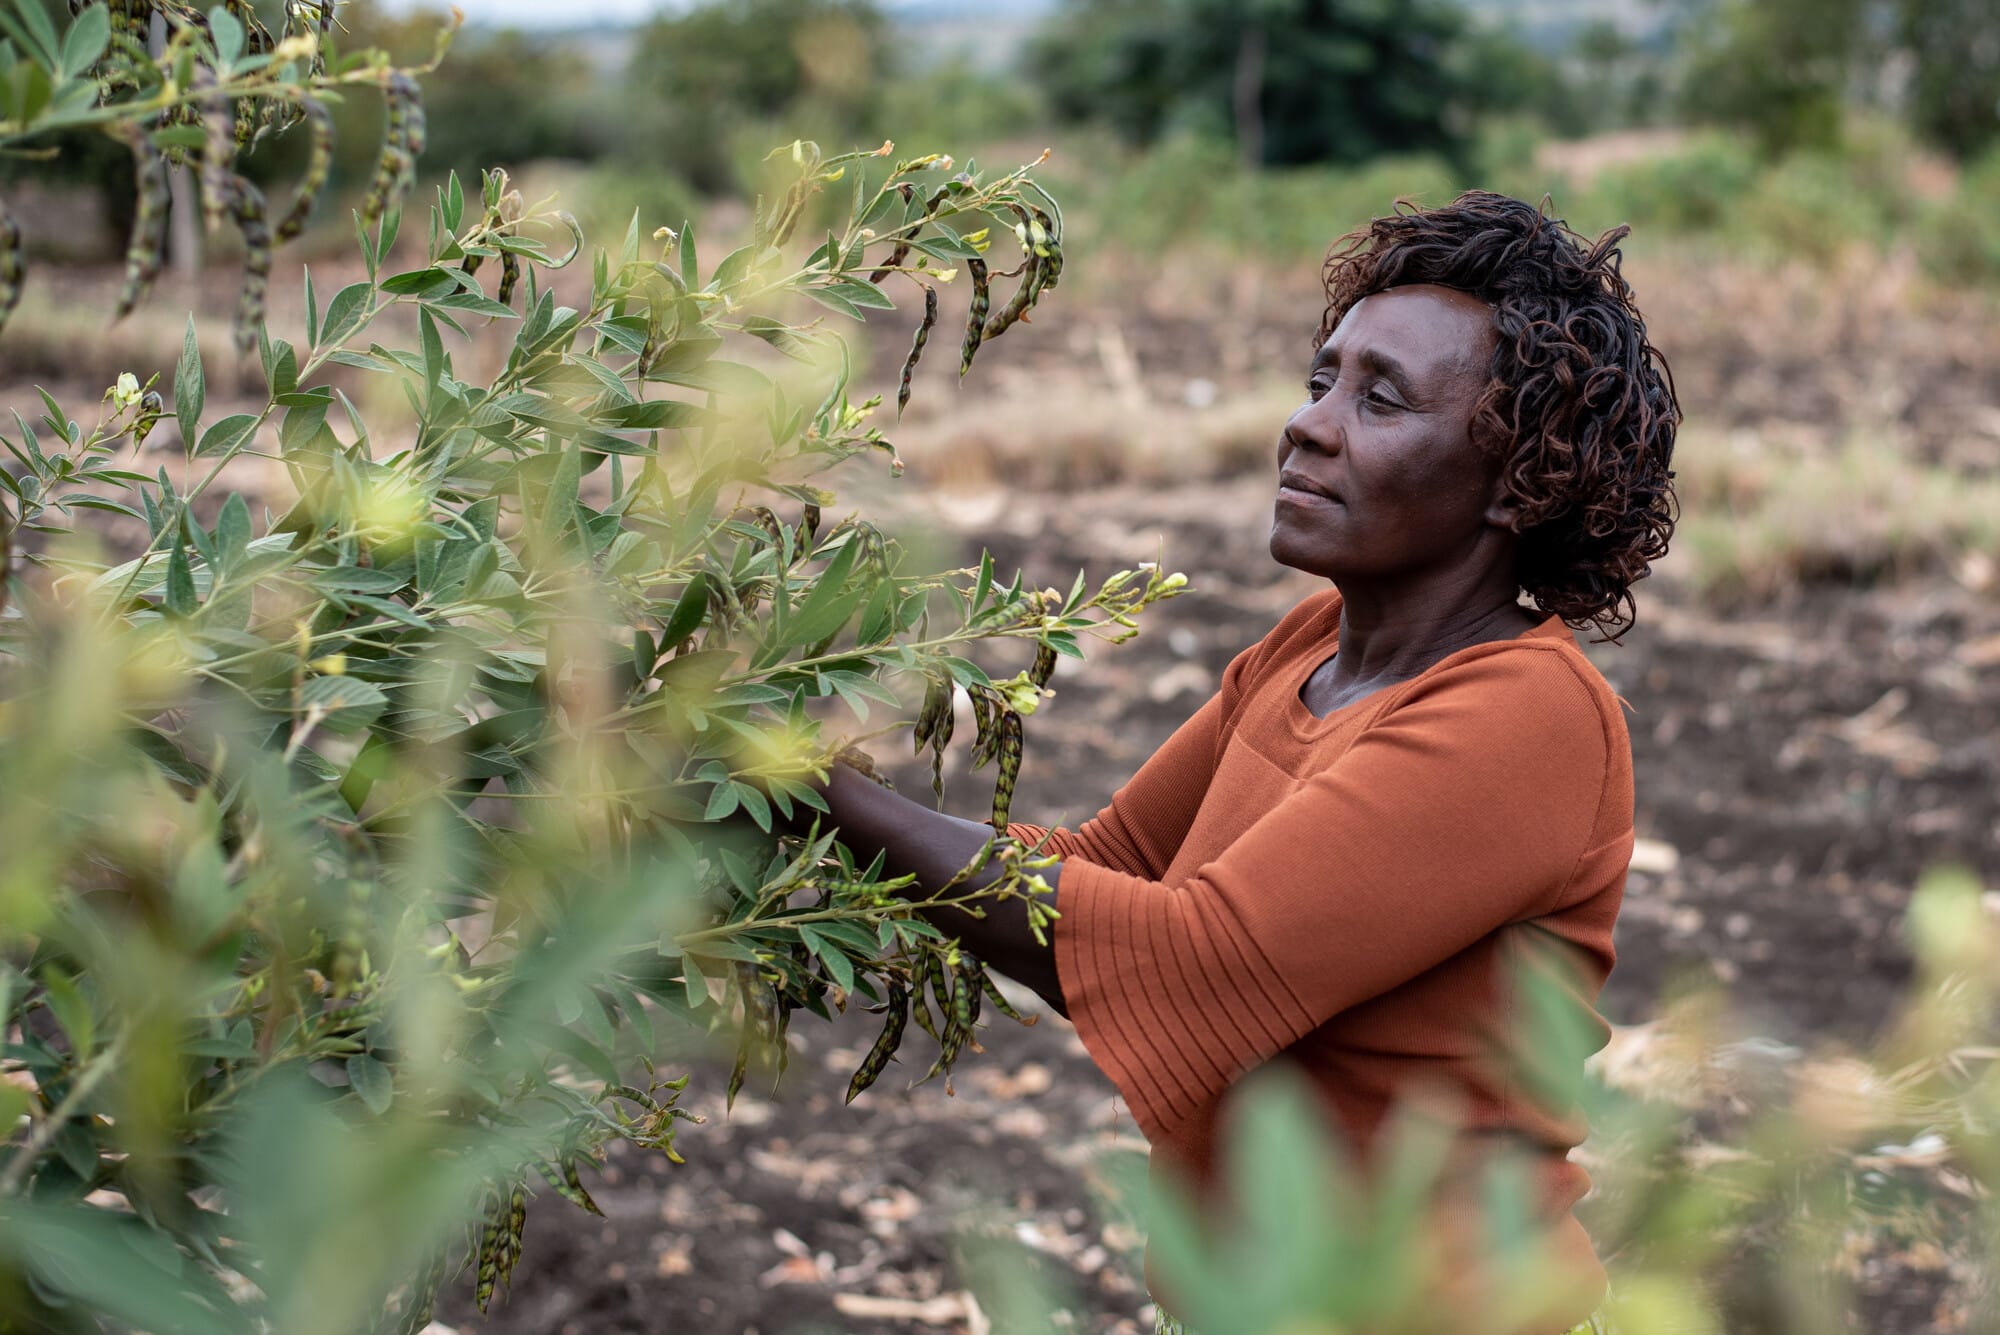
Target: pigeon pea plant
x=365, y=854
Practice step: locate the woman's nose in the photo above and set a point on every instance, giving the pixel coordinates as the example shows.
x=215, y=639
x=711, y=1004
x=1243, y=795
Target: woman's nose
x=1316, y=427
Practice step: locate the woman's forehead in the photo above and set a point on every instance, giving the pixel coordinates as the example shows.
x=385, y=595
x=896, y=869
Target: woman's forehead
x=1423, y=326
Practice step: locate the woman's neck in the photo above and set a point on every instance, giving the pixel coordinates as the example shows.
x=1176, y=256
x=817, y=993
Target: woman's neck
x=1388, y=636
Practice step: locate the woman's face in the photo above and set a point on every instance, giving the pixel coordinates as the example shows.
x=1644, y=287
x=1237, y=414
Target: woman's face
x=1378, y=475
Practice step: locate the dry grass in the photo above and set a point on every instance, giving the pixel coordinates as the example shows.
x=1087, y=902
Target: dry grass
x=1760, y=514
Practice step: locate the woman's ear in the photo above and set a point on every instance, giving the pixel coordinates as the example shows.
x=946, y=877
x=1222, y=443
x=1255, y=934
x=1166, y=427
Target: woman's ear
x=1504, y=509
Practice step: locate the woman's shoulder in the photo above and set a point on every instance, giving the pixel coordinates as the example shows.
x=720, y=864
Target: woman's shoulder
x=1540, y=679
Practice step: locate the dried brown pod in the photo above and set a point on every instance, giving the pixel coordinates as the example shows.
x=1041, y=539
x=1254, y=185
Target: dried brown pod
x=319, y=124
x=11, y=273
x=975, y=325
x=146, y=254
x=246, y=207
x=923, y=336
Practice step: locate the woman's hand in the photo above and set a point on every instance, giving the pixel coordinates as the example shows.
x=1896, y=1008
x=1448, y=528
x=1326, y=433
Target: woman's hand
x=935, y=848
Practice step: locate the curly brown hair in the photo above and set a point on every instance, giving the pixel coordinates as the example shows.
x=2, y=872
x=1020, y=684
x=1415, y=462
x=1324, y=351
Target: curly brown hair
x=1580, y=406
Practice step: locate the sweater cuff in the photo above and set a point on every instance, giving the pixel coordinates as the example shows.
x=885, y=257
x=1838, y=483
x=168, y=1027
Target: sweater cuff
x=1095, y=961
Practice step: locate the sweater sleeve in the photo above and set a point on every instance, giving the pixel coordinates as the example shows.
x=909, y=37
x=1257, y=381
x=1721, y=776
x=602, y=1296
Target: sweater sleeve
x=1467, y=806
x=1140, y=831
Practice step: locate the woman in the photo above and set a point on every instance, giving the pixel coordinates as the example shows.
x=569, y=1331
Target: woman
x=1414, y=782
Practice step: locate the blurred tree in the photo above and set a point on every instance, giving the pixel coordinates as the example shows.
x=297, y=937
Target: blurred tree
x=700, y=79
x=1954, y=94
x=1290, y=81
x=1779, y=69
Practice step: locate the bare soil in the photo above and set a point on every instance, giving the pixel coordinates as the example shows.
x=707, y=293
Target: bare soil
x=1801, y=763
x=1799, y=769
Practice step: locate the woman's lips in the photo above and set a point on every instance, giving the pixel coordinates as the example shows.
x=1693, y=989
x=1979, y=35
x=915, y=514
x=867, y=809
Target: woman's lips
x=1295, y=490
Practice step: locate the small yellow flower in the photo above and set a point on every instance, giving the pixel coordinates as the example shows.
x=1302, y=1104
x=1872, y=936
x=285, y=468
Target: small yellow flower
x=332, y=665
x=126, y=392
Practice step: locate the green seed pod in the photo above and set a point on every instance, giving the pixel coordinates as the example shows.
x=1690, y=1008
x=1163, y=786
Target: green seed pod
x=975, y=325
x=151, y=409
x=246, y=206
x=1004, y=1006
x=510, y=273
x=320, y=122
x=1009, y=751
x=923, y=336
x=1053, y=269
x=146, y=255
x=808, y=526
x=984, y=734
x=965, y=993
x=919, y=1007
x=886, y=1042
x=562, y=1176
x=517, y=1224
x=1044, y=668
x=492, y=1244
x=11, y=273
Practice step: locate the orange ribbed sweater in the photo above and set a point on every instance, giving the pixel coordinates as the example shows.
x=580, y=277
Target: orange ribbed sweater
x=1351, y=892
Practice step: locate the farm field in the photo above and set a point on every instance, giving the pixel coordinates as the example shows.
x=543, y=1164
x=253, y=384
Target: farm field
x=1814, y=693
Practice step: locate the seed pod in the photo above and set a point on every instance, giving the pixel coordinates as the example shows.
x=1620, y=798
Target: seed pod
x=808, y=526
x=416, y=128
x=1016, y=308
x=10, y=266
x=1009, y=751
x=320, y=122
x=984, y=734
x=510, y=273
x=517, y=1224
x=492, y=1245
x=421, y=1299
x=965, y=993
x=145, y=256
x=246, y=206
x=940, y=990
x=151, y=409
x=902, y=250
x=1044, y=668
x=218, y=153
x=886, y=1042
x=923, y=336
x=562, y=1176
x=919, y=1007
x=394, y=164
x=975, y=324
x=1053, y=269
x=1004, y=1006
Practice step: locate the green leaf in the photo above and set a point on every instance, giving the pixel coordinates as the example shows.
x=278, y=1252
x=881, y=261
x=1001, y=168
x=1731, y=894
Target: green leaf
x=179, y=598
x=72, y=1012
x=371, y=1080
x=688, y=612
x=361, y=579
x=866, y=295
x=227, y=30
x=189, y=391
x=345, y=314
x=228, y=435
x=232, y=526
x=85, y=41
x=722, y=802
x=454, y=203
x=434, y=282
x=837, y=963
x=653, y=415
x=312, y=311
x=348, y=703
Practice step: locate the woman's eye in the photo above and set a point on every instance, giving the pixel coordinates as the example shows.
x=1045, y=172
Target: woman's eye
x=1378, y=400
x=1316, y=389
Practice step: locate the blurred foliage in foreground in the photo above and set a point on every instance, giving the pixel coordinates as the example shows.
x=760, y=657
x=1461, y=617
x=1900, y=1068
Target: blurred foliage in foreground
x=352, y=853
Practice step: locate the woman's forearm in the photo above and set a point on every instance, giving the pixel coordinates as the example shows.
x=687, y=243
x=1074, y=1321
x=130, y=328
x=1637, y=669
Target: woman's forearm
x=934, y=848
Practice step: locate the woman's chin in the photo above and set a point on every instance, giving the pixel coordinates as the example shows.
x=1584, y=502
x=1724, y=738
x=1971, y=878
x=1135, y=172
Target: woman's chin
x=1287, y=550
